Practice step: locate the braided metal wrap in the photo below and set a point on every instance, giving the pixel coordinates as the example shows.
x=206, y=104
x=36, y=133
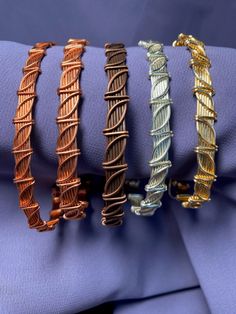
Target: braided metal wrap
x=115, y=131
x=68, y=182
x=205, y=118
x=22, y=148
x=161, y=134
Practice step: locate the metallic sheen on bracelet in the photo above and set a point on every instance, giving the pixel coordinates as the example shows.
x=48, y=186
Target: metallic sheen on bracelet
x=205, y=118
x=72, y=206
x=161, y=134
x=22, y=147
x=115, y=131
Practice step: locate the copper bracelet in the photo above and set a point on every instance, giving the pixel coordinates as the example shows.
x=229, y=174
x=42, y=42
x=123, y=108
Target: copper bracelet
x=72, y=205
x=116, y=133
x=22, y=148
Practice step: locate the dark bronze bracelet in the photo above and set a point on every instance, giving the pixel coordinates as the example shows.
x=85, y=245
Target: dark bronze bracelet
x=22, y=148
x=116, y=133
x=72, y=201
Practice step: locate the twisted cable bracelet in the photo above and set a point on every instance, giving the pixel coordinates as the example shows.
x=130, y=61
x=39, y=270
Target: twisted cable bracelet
x=115, y=131
x=71, y=205
x=205, y=118
x=22, y=149
x=161, y=134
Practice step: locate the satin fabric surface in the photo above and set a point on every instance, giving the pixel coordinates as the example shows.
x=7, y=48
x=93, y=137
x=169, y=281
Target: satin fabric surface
x=175, y=260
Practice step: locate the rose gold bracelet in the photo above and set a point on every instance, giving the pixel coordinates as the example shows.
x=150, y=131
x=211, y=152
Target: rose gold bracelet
x=22, y=148
x=72, y=201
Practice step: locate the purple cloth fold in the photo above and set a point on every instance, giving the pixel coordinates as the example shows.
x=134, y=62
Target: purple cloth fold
x=83, y=264
x=184, y=302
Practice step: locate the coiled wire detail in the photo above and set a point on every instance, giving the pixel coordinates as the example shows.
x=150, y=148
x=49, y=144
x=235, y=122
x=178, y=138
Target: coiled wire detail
x=68, y=182
x=22, y=148
x=161, y=110
x=205, y=119
x=116, y=134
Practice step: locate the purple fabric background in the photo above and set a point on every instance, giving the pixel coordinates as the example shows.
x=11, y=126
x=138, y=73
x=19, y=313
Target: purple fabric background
x=110, y=20
x=176, y=260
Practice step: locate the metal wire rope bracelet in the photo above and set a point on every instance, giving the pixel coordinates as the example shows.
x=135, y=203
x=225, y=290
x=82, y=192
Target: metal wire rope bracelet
x=22, y=148
x=116, y=133
x=160, y=105
x=72, y=199
x=205, y=118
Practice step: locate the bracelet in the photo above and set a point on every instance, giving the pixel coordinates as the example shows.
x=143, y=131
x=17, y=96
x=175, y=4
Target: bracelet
x=205, y=118
x=72, y=205
x=161, y=134
x=22, y=148
x=116, y=133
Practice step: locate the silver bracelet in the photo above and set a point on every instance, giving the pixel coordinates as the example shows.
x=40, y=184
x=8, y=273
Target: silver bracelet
x=161, y=134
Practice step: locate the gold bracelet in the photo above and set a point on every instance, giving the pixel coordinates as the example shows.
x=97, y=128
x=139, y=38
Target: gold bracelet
x=205, y=118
